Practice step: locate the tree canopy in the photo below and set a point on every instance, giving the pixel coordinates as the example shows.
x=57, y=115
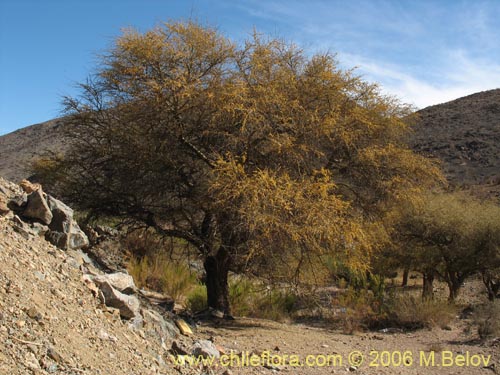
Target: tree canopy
x=255, y=154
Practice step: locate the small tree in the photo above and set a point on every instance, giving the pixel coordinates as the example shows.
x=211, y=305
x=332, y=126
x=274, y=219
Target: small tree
x=454, y=236
x=255, y=154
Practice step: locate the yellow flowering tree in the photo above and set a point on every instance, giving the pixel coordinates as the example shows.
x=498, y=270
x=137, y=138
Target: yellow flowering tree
x=255, y=154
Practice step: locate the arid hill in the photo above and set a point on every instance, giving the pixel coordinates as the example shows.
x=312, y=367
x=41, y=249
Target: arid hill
x=19, y=148
x=463, y=133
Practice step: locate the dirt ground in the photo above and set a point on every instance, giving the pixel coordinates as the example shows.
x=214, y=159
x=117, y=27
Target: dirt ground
x=457, y=351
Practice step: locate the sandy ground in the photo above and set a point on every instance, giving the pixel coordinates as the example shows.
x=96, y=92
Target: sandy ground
x=452, y=347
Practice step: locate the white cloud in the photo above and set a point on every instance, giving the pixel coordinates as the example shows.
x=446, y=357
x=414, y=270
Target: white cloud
x=425, y=53
x=462, y=76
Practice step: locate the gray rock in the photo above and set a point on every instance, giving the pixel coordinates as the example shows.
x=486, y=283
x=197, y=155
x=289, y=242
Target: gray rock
x=57, y=239
x=65, y=232
x=22, y=228
x=37, y=207
x=76, y=238
x=120, y=281
x=157, y=326
x=205, y=349
x=129, y=306
x=18, y=201
x=73, y=239
x=39, y=229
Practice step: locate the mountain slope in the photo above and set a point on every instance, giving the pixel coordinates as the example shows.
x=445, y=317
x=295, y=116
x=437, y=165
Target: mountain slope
x=465, y=135
x=18, y=149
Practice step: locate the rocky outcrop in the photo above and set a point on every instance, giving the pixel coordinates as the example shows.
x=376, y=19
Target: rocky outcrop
x=38, y=210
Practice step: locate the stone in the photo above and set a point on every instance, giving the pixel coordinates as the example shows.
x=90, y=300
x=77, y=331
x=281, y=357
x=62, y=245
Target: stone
x=77, y=239
x=184, y=327
x=74, y=239
x=4, y=209
x=34, y=314
x=22, y=228
x=37, y=208
x=54, y=355
x=104, y=336
x=64, y=231
x=39, y=229
x=57, y=239
x=205, y=349
x=31, y=362
x=216, y=313
x=129, y=306
x=178, y=348
x=29, y=187
x=18, y=201
x=122, y=282
x=156, y=325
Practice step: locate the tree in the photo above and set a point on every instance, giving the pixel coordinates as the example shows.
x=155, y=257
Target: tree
x=256, y=154
x=454, y=236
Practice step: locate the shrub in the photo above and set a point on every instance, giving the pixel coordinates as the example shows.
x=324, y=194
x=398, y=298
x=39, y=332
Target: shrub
x=251, y=298
x=487, y=318
x=408, y=311
x=359, y=309
x=362, y=309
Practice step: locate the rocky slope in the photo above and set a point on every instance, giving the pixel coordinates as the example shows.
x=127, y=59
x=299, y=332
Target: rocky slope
x=60, y=314
x=18, y=149
x=465, y=135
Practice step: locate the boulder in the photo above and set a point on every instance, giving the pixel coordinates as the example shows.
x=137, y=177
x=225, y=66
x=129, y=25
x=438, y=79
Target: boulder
x=120, y=281
x=129, y=306
x=157, y=327
x=205, y=349
x=63, y=215
x=76, y=238
x=37, y=207
x=64, y=231
x=29, y=187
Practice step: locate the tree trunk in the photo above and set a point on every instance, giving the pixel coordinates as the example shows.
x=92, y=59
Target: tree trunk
x=454, y=282
x=492, y=287
x=217, y=268
x=406, y=272
x=428, y=287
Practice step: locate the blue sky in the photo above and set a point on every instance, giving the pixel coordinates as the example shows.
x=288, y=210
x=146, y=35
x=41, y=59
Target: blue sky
x=424, y=52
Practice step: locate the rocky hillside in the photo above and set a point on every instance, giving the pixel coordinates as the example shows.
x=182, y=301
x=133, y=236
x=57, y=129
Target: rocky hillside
x=61, y=314
x=465, y=135
x=18, y=149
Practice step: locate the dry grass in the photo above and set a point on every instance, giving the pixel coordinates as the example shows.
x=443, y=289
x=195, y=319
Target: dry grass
x=412, y=312
x=158, y=272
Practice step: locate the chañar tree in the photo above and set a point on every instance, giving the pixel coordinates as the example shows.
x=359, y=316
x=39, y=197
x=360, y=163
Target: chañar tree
x=255, y=154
